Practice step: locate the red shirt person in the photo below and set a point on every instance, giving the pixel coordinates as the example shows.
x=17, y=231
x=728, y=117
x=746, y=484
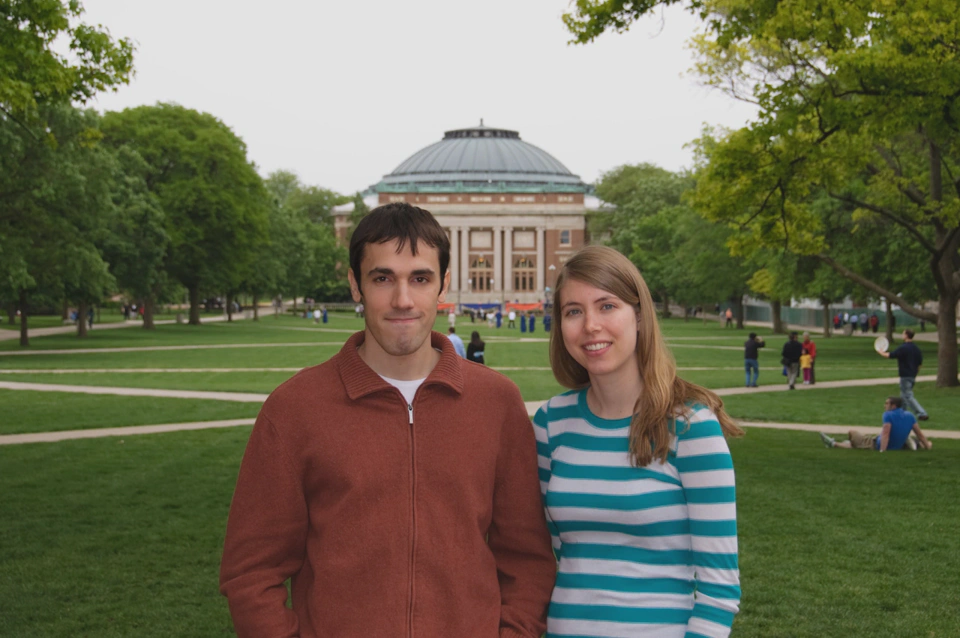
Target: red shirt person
x=810, y=348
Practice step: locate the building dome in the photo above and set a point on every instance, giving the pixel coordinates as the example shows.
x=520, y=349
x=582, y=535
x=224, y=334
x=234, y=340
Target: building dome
x=481, y=159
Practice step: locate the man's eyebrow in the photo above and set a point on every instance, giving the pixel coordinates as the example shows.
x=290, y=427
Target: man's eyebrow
x=420, y=272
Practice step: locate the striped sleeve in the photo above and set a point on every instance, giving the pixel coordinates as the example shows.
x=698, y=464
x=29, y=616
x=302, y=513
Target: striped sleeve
x=706, y=473
x=543, y=467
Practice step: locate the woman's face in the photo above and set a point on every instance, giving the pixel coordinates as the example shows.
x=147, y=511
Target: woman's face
x=599, y=329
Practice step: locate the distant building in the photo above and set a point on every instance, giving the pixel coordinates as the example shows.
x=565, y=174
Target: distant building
x=513, y=212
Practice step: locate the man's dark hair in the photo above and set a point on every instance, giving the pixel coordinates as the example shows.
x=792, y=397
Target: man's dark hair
x=451, y=330
x=753, y=335
x=793, y=336
x=909, y=333
x=896, y=402
x=405, y=223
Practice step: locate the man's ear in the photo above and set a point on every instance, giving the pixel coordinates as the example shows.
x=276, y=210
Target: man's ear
x=354, y=287
x=446, y=287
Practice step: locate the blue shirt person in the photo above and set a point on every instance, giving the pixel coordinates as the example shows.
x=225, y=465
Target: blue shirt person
x=533, y=321
x=900, y=431
x=457, y=342
x=523, y=322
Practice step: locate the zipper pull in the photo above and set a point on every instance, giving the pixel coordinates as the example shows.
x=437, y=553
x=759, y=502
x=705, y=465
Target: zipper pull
x=410, y=412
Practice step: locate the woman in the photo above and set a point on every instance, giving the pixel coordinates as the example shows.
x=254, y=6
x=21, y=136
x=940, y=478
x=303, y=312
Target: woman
x=475, y=348
x=636, y=475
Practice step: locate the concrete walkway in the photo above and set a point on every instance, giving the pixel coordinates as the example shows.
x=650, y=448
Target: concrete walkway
x=248, y=397
x=9, y=335
x=66, y=435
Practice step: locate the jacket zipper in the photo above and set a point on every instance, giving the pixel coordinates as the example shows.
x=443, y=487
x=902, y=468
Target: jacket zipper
x=413, y=514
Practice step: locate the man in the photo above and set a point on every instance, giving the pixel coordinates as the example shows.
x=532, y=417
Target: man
x=909, y=359
x=395, y=486
x=512, y=319
x=810, y=348
x=457, y=342
x=729, y=317
x=895, y=434
x=790, y=357
x=751, y=358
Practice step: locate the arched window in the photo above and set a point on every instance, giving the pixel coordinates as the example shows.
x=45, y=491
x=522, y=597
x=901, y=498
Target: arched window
x=524, y=274
x=481, y=274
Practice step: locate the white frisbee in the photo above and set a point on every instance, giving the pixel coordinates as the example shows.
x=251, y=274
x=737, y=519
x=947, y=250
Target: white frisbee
x=880, y=344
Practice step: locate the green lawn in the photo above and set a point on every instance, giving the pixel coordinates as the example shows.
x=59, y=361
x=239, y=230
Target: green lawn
x=844, y=406
x=26, y=411
x=120, y=537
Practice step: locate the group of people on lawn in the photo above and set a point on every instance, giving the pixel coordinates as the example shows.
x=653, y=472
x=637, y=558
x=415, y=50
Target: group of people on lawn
x=900, y=430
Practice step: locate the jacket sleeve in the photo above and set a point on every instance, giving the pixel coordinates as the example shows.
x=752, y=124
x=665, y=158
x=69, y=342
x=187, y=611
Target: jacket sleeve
x=706, y=473
x=518, y=536
x=265, y=539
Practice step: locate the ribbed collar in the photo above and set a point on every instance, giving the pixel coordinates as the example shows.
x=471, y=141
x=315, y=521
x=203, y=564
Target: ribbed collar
x=359, y=379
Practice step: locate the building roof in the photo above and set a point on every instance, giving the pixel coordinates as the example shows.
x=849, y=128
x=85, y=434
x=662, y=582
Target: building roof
x=481, y=159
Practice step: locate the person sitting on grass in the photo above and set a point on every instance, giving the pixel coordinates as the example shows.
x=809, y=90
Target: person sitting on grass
x=898, y=425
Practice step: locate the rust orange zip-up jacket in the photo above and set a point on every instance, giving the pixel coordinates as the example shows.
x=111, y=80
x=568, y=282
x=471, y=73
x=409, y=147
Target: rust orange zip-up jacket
x=391, y=520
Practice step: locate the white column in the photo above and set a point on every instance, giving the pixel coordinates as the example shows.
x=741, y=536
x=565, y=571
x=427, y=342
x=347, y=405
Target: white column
x=464, y=258
x=541, y=269
x=508, y=261
x=454, y=266
x=497, y=258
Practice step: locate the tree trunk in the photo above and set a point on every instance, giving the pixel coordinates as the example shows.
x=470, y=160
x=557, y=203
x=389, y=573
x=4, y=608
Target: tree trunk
x=827, y=321
x=666, y=306
x=64, y=311
x=738, y=304
x=778, y=325
x=12, y=313
x=149, y=308
x=686, y=314
x=24, y=334
x=294, y=305
x=82, y=308
x=947, y=337
x=229, y=307
x=890, y=319
x=256, y=308
x=194, y=292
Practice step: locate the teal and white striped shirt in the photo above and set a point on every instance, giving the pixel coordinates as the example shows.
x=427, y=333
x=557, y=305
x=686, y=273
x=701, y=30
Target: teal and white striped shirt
x=643, y=552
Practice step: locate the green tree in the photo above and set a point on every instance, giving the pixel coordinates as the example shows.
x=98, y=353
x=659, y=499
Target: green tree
x=857, y=99
x=137, y=242
x=56, y=195
x=34, y=74
x=213, y=201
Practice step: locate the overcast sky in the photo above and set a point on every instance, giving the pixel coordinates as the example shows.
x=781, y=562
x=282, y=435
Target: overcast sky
x=341, y=92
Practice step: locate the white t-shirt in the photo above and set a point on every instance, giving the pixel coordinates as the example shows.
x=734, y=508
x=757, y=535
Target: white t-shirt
x=407, y=388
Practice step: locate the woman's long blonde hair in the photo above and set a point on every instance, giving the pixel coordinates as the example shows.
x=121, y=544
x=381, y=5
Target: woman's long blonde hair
x=665, y=395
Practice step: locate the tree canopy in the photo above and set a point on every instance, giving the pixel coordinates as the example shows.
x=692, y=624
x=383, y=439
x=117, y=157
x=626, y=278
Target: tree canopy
x=214, y=204
x=858, y=102
x=33, y=73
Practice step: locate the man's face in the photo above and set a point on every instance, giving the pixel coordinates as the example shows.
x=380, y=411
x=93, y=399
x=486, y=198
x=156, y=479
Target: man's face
x=806, y=339
x=400, y=292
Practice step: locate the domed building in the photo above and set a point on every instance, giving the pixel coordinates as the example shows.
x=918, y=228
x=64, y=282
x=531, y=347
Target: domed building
x=514, y=213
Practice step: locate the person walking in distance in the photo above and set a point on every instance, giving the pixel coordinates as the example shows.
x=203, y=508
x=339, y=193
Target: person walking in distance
x=751, y=359
x=457, y=342
x=395, y=485
x=475, y=348
x=909, y=359
x=810, y=348
x=790, y=357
